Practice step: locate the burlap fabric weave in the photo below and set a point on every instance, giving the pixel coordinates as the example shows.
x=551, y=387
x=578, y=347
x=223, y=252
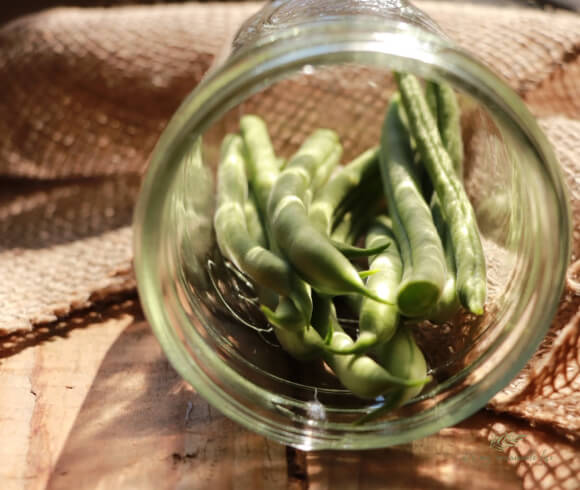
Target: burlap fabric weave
x=85, y=94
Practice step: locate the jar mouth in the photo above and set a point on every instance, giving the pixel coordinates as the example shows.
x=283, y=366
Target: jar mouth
x=396, y=46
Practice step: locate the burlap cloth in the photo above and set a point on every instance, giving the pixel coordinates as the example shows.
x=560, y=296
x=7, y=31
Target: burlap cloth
x=85, y=94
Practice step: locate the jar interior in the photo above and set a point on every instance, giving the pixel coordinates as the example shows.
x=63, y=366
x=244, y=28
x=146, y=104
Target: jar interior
x=220, y=301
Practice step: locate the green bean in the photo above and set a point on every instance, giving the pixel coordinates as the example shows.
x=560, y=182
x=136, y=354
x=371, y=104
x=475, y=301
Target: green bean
x=342, y=232
x=307, y=342
x=325, y=170
x=235, y=242
x=321, y=315
x=304, y=344
x=254, y=222
x=430, y=98
x=402, y=358
x=378, y=321
x=286, y=315
x=419, y=243
x=352, y=252
x=359, y=373
x=256, y=232
x=457, y=210
x=339, y=186
x=263, y=166
x=445, y=109
x=448, y=304
x=310, y=252
x=443, y=104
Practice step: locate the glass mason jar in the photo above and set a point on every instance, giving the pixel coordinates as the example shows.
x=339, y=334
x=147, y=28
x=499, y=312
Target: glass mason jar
x=306, y=64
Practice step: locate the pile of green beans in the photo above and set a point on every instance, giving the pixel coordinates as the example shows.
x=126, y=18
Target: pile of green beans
x=391, y=232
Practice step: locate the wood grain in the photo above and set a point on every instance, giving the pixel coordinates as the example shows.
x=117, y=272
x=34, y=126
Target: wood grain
x=141, y=426
x=42, y=388
x=102, y=408
x=98, y=406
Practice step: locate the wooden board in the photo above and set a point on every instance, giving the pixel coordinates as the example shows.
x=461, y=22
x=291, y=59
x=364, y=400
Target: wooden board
x=93, y=403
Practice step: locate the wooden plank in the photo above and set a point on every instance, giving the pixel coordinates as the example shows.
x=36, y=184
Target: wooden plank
x=100, y=407
x=42, y=387
x=458, y=457
x=141, y=426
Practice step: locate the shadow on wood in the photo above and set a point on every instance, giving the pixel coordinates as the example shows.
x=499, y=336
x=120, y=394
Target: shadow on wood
x=142, y=426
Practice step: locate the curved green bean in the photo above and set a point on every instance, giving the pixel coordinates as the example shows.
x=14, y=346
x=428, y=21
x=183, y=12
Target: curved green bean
x=402, y=357
x=378, y=321
x=310, y=252
x=236, y=243
x=418, y=240
x=353, y=252
x=338, y=188
x=361, y=374
x=263, y=168
x=304, y=344
x=457, y=210
x=308, y=342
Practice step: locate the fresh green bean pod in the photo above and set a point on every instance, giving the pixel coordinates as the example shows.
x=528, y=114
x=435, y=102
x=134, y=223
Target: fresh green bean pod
x=321, y=315
x=260, y=264
x=448, y=304
x=418, y=240
x=325, y=170
x=285, y=316
x=361, y=374
x=304, y=344
x=336, y=190
x=401, y=357
x=310, y=252
x=342, y=232
x=254, y=222
x=308, y=342
x=444, y=106
x=430, y=98
x=378, y=321
x=234, y=240
x=263, y=166
x=232, y=233
x=281, y=309
x=457, y=210
x=353, y=252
